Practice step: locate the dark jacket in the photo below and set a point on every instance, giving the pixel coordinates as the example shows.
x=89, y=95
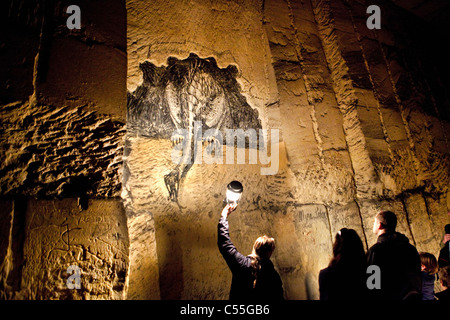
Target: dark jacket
x=342, y=283
x=268, y=286
x=444, y=256
x=428, y=285
x=399, y=264
x=443, y=295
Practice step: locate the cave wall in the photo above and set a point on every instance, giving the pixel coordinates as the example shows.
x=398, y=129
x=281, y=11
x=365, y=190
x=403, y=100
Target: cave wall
x=87, y=116
x=363, y=126
x=62, y=118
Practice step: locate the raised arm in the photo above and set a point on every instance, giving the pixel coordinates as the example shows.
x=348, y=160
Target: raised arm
x=233, y=258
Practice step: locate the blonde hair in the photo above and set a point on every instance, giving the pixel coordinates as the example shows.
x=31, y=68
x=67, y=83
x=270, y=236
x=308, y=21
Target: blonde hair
x=429, y=261
x=262, y=249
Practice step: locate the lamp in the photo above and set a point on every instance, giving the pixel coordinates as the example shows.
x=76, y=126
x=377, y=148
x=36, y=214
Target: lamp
x=234, y=192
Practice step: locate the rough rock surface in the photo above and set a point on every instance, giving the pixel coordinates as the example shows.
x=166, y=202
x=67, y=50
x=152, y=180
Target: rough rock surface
x=57, y=235
x=361, y=129
x=362, y=116
x=62, y=119
x=63, y=152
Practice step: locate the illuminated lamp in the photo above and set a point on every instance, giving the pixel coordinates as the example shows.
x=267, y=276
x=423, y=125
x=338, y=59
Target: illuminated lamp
x=234, y=192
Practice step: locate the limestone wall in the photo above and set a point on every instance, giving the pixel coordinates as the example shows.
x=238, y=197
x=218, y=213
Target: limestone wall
x=361, y=129
x=62, y=120
x=87, y=117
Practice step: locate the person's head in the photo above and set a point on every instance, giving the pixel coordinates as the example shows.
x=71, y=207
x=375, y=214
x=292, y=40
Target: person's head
x=444, y=277
x=347, y=248
x=262, y=250
x=384, y=222
x=264, y=247
x=429, y=262
x=447, y=229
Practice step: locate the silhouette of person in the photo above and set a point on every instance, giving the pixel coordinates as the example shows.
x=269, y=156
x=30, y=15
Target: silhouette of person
x=444, y=279
x=398, y=260
x=444, y=254
x=253, y=276
x=345, y=276
x=429, y=268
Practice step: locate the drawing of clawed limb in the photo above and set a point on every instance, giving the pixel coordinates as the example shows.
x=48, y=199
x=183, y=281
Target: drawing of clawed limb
x=200, y=100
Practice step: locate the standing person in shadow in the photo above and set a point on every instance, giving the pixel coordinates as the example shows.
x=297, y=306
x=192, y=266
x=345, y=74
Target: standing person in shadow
x=345, y=276
x=429, y=268
x=444, y=253
x=398, y=260
x=254, y=276
x=444, y=280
